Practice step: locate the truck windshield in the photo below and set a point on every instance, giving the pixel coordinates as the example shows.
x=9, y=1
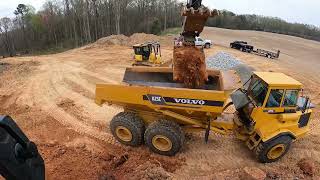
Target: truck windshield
x=258, y=90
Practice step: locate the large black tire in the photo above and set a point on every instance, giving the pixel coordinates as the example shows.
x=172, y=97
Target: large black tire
x=164, y=137
x=273, y=150
x=128, y=128
x=207, y=46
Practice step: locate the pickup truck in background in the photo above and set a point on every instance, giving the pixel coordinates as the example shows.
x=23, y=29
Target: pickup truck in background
x=203, y=42
x=245, y=47
x=242, y=46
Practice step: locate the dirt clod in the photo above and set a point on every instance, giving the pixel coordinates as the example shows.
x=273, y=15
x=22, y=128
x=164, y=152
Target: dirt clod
x=272, y=175
x=121, y=160
x=189, y=66
x=150, y=171
x=307, y=165
x=253, y=173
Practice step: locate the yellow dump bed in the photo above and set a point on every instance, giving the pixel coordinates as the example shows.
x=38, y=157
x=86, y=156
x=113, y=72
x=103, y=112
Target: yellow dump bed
x=152, y=88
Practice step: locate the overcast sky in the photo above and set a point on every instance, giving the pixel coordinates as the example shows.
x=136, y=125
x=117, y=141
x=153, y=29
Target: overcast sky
x=302, y=11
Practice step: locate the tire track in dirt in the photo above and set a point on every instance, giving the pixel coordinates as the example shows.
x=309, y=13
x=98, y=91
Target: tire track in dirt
x=47, y=87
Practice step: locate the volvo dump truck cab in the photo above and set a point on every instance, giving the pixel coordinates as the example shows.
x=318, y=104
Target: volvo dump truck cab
x=147, y=54
x=271, y=114
x=158, y=111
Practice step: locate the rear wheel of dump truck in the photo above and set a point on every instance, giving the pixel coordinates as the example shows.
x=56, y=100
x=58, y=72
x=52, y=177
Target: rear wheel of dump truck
x=164, y=137
x=273, y=150
x=128, y=128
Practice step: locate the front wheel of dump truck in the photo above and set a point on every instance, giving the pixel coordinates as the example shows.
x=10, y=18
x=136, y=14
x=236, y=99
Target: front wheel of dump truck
x=128, y=128
x=164, y=137
x=273, y=150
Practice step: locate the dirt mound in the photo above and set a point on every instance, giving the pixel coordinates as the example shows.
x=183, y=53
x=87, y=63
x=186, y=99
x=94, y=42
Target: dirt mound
x=142, y=37
x=307, y=166
x=123, y=40
x=189, y=66
x=150, y=171
x=113, y=40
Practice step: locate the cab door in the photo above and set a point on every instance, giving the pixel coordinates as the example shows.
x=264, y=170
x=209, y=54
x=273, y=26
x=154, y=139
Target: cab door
x=266, y=116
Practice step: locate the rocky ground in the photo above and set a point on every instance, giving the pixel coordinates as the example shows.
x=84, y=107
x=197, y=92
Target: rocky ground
x=52, y=99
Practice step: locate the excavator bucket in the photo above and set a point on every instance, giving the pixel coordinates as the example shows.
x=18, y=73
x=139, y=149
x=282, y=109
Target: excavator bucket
x=195, y=19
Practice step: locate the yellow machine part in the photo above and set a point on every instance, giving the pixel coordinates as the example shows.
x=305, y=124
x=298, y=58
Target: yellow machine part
x=271, y=125
x=155, y=59
x=138, y=58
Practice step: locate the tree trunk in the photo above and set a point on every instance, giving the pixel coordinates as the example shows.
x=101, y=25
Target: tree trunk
x=117, y=16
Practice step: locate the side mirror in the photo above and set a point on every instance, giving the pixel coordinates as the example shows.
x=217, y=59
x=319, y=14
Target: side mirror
x=304, y=103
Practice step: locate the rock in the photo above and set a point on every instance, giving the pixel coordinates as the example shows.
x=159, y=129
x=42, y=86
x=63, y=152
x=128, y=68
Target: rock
x=148, y=171
x=107, y=177
x=273, y=175
x=307, y=166
x=222, y=61
x=253, y=173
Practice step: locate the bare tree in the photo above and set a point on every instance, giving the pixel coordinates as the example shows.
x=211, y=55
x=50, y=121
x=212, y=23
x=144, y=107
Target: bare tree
x=5, y=25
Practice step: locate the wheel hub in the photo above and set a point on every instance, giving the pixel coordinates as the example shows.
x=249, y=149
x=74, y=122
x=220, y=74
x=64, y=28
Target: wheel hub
x=124, y=133
x=276, y=151
x=162, y=143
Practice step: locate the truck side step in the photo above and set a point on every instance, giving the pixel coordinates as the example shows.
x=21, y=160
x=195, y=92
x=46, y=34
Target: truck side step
x=253, y=141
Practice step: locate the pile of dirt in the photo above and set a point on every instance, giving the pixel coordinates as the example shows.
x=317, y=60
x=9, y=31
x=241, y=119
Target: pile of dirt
x=150, y=171
x=140, y=163
x=189, y=66
x=308, y=166
x=142, y=37
x=123, y=40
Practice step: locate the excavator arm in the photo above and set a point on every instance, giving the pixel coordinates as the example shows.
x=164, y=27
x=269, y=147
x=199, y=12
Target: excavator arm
x=189, y=66
x=195, y=17
x=194, y=3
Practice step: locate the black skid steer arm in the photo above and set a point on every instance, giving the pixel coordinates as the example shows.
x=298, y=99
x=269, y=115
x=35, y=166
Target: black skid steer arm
x=19, y=157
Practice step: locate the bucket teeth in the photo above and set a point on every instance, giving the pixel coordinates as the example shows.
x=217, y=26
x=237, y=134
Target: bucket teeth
x=201, y=12
x=215, y=13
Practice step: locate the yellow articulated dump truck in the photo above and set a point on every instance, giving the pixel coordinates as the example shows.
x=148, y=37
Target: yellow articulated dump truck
x=270, y=113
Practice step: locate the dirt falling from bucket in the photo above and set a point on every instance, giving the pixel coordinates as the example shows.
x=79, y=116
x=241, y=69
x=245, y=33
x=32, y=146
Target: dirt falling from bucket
x=189, y=66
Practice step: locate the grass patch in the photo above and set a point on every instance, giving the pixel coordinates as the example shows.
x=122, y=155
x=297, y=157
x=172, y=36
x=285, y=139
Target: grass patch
x=49, y=51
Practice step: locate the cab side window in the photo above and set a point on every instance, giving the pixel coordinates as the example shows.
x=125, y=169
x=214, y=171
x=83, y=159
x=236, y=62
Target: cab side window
x=290, y=98
x=275, y=98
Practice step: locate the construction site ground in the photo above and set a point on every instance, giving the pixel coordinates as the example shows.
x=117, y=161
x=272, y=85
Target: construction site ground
x=52, y=99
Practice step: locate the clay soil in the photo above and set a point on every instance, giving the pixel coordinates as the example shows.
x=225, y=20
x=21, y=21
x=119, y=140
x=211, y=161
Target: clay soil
x=192, y=74
x=52, y=99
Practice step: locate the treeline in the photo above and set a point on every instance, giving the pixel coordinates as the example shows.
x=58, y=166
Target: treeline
x=71, y=23
x=230, y=20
